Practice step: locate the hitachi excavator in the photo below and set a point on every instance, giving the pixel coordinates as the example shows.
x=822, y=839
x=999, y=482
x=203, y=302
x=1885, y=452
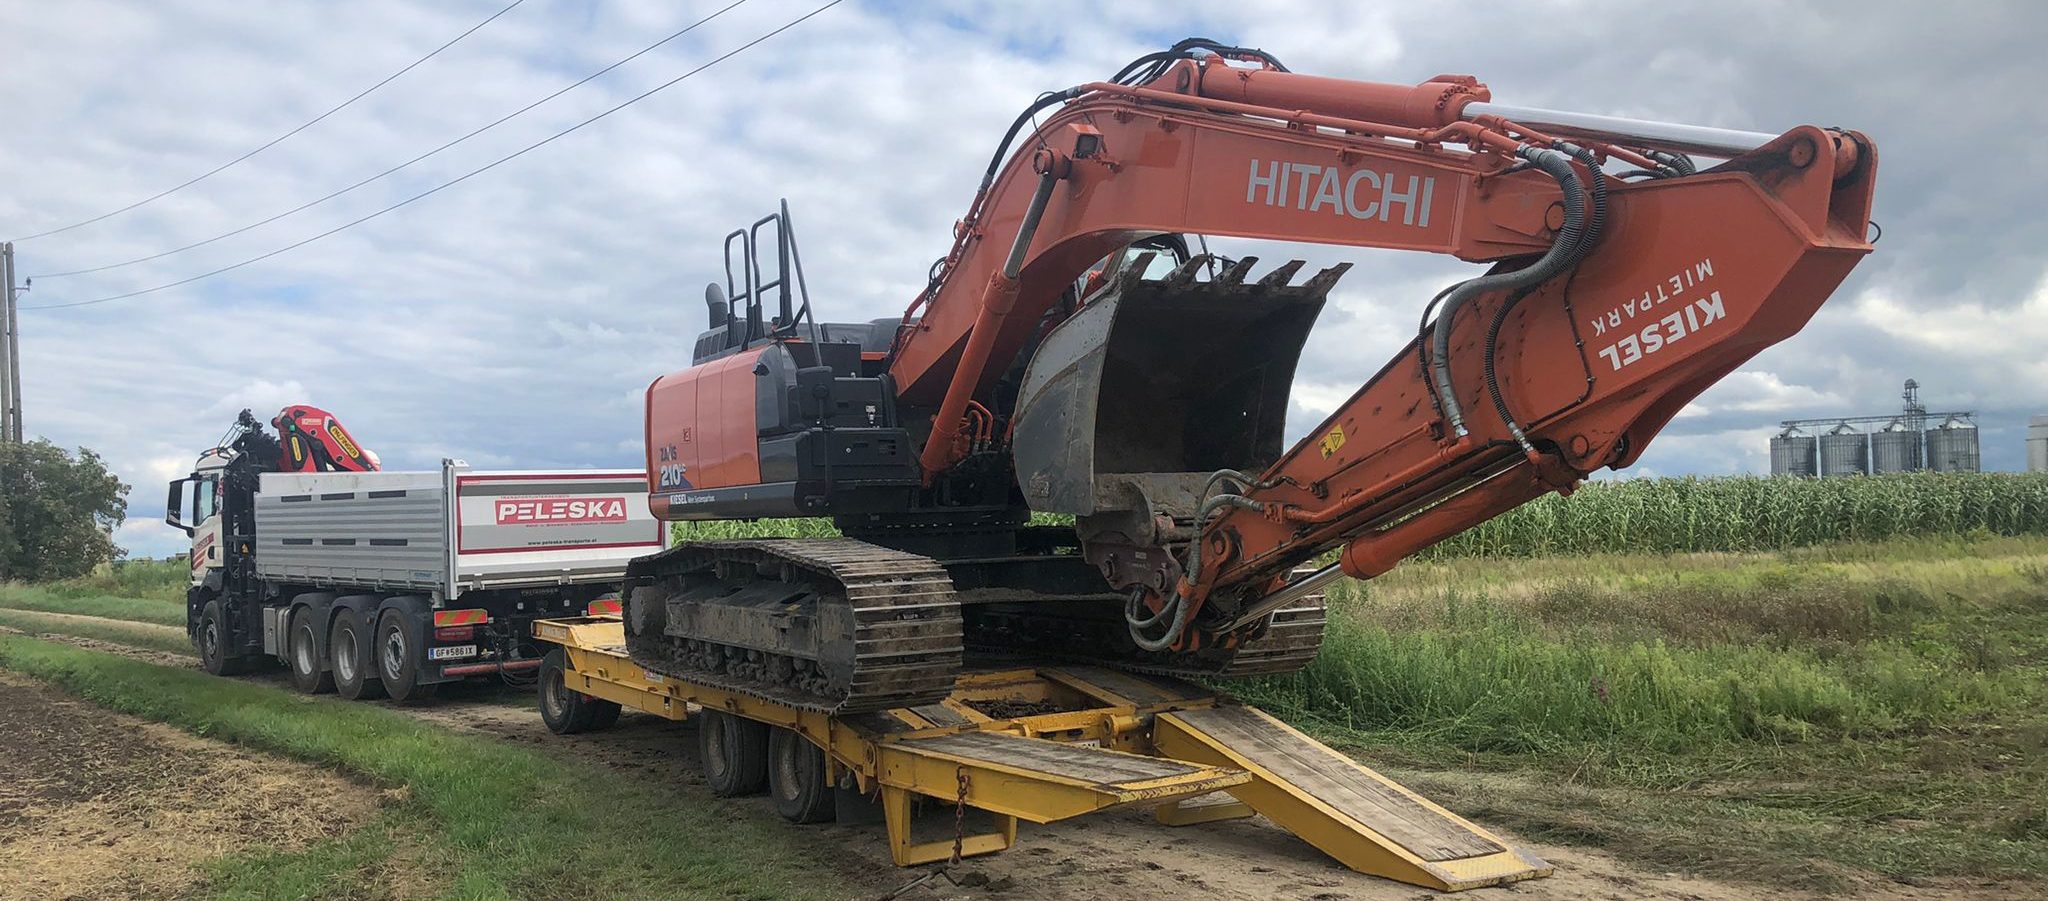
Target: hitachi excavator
x=1069, y=356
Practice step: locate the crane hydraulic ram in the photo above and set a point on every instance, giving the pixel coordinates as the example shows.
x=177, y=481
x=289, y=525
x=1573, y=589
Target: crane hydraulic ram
x=1070, y=356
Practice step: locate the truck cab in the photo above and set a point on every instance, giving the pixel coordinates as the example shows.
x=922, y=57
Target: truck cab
x=200, y=495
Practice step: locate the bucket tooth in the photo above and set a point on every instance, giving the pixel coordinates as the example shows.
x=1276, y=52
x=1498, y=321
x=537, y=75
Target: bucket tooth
x=1234, y=276
x=1185, y=275
x=1323, y=281
x=1134, y=273
x=1279, y=278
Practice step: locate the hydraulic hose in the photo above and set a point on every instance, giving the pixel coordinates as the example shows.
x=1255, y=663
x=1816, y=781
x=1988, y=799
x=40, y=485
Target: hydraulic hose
x=1561, y=255
x=1595, y=221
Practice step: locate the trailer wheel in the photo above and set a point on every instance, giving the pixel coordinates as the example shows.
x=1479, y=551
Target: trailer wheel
x=733, y=752
x=211, y=640
x=565, y=710
x=302, y=650
x=398, y=651
x=603, y=714
x=355, y=675
x=796, y=778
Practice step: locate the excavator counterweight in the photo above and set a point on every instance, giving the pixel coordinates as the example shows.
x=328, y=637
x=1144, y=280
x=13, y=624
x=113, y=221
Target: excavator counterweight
x=1070, y=355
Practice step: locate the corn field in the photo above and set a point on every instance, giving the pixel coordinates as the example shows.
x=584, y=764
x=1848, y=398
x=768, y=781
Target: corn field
x=1683, y=515
x=1747, y=513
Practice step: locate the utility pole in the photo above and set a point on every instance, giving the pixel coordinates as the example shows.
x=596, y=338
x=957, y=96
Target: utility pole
x=10, y=351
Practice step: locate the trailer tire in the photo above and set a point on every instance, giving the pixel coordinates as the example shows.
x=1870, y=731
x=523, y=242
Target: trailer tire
x=565, y=710
x=603, y=714
x=309, y=669
x=399, y=648
x=210, y=639
x=355, y=674
x=733, y=752
x=796, y=778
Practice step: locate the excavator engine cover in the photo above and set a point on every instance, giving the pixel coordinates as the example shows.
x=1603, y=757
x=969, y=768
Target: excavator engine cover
x=1132, y=402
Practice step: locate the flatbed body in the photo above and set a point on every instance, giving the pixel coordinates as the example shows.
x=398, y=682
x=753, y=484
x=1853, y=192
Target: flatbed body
x=1043, y=743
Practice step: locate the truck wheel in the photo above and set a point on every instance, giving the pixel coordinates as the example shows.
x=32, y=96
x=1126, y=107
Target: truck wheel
x=399, y=649
x=796, y=778
x=733, y=752
x=348, y=643
x=211, y=640
x=565, y=710
x=302, y=650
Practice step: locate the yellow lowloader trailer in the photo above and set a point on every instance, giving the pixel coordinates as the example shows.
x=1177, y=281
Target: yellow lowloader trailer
x=1031, y=743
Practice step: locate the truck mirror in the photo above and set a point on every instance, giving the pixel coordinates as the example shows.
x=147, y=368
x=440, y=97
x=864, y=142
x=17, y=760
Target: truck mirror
x=174, y=507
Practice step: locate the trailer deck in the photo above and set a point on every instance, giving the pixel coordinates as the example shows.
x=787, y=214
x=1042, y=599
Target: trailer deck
x=1046, y=743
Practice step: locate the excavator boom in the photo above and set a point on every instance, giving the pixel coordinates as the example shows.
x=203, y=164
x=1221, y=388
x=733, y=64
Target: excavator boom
x=1612, y=302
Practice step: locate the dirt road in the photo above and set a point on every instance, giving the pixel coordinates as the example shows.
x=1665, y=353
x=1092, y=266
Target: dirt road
x=1109, y=856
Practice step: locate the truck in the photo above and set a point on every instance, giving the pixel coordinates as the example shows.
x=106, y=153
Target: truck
x=370, y=583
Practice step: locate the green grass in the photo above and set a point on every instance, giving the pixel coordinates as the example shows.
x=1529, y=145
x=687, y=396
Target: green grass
x=483, y=818
x=133, y=635
x=1807, y=717
x=63, y=598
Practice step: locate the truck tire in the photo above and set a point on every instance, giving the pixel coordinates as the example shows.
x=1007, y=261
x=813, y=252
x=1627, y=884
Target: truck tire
x=210, y=639
x=796, y=778
x=302, y=652
x=565, y=710
x=733, y=752
x=348, y=643
x=400, y=646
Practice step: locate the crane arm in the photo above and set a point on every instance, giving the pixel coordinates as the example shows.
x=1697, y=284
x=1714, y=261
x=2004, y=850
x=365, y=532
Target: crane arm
x=1609, y=306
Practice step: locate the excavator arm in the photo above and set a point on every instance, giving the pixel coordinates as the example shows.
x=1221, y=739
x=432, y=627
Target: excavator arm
x=1613, y=299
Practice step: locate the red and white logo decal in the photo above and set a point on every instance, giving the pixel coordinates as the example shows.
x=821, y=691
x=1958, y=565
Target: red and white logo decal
x=553, y=511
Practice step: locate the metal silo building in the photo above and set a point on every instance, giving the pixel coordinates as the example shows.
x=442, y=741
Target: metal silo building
x=1952, y=446
x=1792, y=453
x=1895, y=448
x=1844, y=451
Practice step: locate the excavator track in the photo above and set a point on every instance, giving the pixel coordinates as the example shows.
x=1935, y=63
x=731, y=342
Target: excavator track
x=828, y=624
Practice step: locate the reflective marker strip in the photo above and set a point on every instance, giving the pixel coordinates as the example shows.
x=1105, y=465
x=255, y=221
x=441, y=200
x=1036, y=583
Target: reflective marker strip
x=603, y=607
x=461, y=618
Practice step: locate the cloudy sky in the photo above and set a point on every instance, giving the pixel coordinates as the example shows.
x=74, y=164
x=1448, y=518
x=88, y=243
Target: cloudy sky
x=512, y=320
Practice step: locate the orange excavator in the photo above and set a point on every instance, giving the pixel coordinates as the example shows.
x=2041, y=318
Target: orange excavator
x=1070, y=358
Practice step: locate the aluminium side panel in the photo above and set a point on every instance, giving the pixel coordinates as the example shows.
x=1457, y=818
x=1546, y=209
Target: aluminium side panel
x=550, y=527
x=384, y=530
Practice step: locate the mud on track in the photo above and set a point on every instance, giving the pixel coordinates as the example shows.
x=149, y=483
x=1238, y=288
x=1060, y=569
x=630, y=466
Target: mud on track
x=94, y=804
x=1111, y=856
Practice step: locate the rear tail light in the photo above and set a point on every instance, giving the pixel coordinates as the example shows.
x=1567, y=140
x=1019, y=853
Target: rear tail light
x=455, y=633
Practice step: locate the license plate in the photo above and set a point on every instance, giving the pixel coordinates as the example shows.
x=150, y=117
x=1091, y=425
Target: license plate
x=452, y=652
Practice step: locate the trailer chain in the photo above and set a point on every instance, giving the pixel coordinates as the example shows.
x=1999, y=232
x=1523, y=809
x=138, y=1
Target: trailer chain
x=959, y=813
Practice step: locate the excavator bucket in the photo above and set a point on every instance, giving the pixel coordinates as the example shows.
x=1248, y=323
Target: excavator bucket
x=1154, y=383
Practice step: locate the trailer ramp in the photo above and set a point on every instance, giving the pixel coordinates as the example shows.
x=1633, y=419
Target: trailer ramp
x=1021, y=778
x=1363, y=819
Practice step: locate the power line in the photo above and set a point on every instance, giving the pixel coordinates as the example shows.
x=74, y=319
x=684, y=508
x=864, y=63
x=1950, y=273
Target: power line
x=452, y=182
x=274, y=141
x=318, y=201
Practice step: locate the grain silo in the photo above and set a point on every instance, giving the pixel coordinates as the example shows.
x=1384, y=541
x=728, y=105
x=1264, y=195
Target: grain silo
x=1895, y=448
x=1844, y=451
x=2037, y=444
x=1951, y=446
x=1792, y=453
